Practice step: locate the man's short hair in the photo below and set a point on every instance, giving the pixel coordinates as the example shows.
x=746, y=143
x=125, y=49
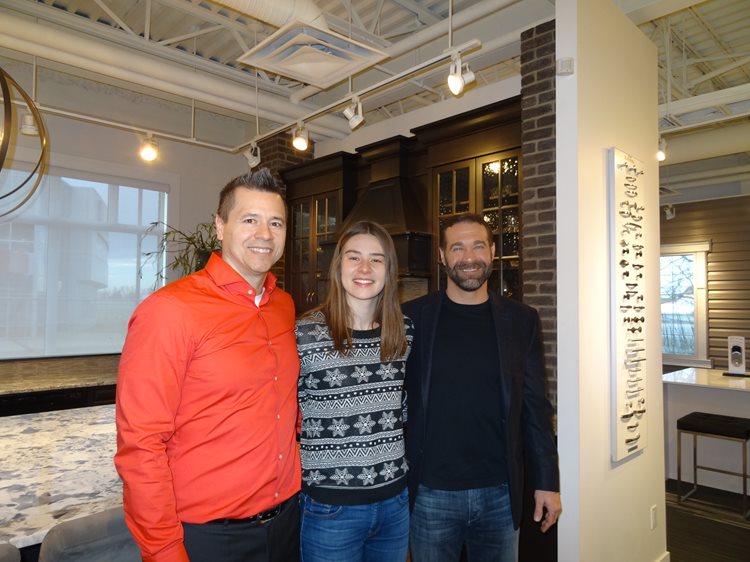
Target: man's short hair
x=261, y=180
x=468, y=217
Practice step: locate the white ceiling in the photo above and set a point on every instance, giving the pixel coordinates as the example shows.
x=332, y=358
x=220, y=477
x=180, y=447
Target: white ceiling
x=189, y=48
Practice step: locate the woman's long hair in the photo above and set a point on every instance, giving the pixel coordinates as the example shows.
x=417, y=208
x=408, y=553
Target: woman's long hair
x=388, y=311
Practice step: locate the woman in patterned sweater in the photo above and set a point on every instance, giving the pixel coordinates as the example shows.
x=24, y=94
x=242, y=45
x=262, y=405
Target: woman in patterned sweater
x=353, y=352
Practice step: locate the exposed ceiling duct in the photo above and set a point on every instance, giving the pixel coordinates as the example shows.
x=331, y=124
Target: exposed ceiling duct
x=279, y=12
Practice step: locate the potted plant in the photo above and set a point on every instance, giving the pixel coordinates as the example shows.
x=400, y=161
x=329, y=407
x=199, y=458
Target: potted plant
x=189, y=251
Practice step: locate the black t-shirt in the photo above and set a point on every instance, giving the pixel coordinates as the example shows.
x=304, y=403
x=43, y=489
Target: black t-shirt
x=464, y=446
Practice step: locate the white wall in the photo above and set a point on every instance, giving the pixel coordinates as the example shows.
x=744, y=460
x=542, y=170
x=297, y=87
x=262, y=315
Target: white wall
x=610, y=101
x=195, y=174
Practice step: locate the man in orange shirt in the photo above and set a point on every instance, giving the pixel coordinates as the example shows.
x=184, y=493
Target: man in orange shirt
x=207, y=399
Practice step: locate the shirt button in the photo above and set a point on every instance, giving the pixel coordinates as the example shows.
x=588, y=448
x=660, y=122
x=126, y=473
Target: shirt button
x=278, y=416
x=275, y=378
x=281, y=456
x=276, y=494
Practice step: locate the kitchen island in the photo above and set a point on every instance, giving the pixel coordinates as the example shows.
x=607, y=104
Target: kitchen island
x=704, y=390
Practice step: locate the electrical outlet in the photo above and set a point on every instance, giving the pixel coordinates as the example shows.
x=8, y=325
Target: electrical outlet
x=653, y=517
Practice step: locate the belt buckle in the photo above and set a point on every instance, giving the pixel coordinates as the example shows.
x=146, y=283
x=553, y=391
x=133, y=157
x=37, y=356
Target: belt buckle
x=267, y=516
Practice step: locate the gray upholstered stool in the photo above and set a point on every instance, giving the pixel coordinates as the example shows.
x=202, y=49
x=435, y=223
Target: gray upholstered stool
x=716, y=426
x=9, y=553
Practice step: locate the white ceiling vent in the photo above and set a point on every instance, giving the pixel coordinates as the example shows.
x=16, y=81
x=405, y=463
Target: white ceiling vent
x=311, y=55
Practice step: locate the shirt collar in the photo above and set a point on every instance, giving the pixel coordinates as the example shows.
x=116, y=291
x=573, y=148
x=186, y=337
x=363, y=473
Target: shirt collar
x=224, y=275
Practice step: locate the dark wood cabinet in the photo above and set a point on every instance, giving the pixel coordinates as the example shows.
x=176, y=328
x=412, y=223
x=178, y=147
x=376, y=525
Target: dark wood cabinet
x=62, y=399
x=319, y=193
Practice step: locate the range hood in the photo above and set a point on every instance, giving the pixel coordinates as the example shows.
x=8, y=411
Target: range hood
x=395, y=202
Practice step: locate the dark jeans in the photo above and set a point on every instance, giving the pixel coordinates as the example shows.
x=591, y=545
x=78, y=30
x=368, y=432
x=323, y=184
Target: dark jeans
x=442, y=521
x=276, y=540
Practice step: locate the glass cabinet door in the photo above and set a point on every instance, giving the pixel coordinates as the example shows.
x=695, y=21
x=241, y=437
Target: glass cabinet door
x=312, y=230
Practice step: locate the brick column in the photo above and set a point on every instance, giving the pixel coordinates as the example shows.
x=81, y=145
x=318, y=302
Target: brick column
x=538, y=193
x=277, y=153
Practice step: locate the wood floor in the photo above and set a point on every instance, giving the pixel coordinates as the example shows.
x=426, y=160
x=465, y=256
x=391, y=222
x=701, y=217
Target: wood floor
x=703, y=533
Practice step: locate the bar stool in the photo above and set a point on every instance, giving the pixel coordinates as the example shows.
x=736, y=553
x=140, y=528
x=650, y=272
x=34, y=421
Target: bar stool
x=716, y=426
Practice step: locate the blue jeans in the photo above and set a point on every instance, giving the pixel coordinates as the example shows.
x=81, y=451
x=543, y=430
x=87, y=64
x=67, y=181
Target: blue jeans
x=373, y=532
x=443, y=520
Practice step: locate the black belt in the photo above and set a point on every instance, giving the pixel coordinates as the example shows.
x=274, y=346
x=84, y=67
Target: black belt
x=262, y=517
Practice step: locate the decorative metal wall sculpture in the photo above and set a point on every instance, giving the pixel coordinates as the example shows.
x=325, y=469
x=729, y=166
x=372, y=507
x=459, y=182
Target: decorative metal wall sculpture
x=627, y=318
x=14, y=198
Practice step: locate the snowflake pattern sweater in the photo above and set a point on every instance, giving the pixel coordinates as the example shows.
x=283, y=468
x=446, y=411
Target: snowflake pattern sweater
x=353, y=414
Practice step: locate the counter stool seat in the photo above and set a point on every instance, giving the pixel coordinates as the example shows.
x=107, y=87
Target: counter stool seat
x=716, y=426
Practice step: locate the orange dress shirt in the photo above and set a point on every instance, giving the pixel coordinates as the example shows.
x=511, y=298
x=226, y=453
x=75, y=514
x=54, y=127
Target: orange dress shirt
x=206, y=407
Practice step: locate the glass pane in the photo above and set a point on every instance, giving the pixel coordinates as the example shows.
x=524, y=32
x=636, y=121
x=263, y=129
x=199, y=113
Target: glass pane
x=678, y=304
x=510, y=232
x=511, y=282
x=150, y=207
x=509, y=181
x=127, y=211
x=445, y=183
x=492, y=218
x=490, y=184
x=462, y=190
x=321, y=205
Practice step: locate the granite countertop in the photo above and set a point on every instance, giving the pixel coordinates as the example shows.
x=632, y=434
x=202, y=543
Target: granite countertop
x=707, y=378
x=55, y=466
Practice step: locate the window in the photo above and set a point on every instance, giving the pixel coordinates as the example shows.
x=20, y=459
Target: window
x=71, y=264
x=684, y=325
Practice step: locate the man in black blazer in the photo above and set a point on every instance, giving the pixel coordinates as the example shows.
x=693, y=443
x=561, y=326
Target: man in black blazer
x=478, y=410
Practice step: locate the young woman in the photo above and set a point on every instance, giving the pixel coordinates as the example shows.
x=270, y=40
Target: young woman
x=353, y=352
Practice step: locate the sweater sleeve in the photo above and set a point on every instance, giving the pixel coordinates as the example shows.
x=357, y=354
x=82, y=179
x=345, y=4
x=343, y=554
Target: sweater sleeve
x=152, y=369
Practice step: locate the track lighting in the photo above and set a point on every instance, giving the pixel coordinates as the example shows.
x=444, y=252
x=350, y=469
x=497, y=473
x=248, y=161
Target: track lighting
x=300, y=136
x=459, y=76
x=28, y=125
x=253, y=155
x=149, y=150
x=354, y=113
x=661, y=155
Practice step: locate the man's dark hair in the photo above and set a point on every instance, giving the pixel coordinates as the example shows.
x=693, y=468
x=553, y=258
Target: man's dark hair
x=261, y=180
x=468, y=217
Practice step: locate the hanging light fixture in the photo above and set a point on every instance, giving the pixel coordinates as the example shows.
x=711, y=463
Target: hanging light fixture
x=253, y=155
x=300, y=137
x=354, y=113
x=149, y=150
x=661, y=154
x=459, y=76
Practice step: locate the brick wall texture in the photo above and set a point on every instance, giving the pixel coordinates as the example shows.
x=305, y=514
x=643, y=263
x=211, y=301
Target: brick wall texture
x=538, y=187
x=277, y=153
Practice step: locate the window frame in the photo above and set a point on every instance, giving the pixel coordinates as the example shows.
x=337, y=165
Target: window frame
x=699, y=250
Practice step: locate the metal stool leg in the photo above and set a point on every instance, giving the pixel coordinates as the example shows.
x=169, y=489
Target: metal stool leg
x=679, y=466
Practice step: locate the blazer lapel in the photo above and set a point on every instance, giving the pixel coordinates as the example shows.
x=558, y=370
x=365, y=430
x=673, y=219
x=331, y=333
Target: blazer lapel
x=430, y=316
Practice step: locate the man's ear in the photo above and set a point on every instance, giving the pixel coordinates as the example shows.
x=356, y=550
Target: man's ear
x=219, y=227
x=442, y=255
x=492, y=248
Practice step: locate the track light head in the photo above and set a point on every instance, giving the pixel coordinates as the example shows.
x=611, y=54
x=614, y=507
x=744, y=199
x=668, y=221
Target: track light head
x=354, y=113
x=459, y=76
x=149, y=150
x=252, y=155
x=300, y=137
x=661, y=154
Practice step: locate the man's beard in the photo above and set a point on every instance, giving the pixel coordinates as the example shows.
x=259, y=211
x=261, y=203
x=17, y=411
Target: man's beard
x=473, y=282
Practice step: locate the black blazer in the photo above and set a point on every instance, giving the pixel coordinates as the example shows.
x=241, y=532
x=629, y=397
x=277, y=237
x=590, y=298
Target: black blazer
x=526, y=411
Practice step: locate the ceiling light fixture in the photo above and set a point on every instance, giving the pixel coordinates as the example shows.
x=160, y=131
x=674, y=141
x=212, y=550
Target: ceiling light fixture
x=253, y=155
x=149, y=150
x=459, y=76
x=28, y=125
x=661, y=154
x=354, y=113
x=300, y=137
